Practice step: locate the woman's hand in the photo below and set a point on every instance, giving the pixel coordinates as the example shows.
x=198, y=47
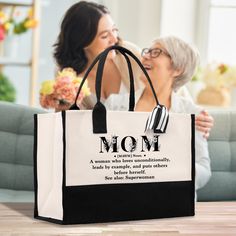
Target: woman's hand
x=204, y=122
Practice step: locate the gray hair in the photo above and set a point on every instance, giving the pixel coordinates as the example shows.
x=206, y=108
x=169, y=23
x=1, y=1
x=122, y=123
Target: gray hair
x=184, y=58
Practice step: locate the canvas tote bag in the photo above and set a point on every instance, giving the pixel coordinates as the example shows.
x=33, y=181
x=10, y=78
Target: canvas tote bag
x=102, y=166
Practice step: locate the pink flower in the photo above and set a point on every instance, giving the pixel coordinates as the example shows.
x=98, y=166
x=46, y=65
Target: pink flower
x=48, y=101
x=61, y=92
x=65, y=90
x=2, y=33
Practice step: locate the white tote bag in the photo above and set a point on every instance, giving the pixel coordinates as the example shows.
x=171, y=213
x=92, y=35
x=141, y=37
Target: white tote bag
x=101, y=166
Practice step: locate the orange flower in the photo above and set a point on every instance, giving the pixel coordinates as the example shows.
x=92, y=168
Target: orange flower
x=7, y=26
x=13, y=22
x=31, y=23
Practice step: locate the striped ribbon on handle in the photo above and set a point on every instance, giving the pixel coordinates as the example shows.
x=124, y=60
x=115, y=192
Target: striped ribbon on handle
x=158, y=120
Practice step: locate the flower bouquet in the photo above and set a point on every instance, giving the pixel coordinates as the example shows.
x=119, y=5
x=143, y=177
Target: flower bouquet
x=219, y=80
x=60, y=93
x=219, y=75
x=14, y=23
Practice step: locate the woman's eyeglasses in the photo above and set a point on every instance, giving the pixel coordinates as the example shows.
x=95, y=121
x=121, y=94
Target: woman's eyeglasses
x=154, y=52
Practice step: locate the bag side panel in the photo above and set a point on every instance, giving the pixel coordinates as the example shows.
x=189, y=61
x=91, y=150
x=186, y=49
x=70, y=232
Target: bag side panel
x=49, y=166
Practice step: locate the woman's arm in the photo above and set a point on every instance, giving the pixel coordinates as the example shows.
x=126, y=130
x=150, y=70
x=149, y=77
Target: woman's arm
x=204, y=122
x=202, y=165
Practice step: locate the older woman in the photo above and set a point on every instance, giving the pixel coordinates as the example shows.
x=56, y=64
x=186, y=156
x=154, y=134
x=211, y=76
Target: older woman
x=171, y=63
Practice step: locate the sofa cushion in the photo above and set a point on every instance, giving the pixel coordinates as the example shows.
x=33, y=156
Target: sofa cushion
x=221, y=187
x=222, y=150
x=16, y=145
x=8, y=195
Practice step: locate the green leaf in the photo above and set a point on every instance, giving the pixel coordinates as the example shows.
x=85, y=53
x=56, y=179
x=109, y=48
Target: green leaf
x=19, y=28
x=7, y=90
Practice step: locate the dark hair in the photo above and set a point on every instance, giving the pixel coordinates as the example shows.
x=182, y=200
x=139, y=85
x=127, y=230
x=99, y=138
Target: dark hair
x=78, y=29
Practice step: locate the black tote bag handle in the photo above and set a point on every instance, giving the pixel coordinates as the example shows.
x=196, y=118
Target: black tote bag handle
x=74, y=106
x=99, y=111
x=131, y=96
x=101, y=67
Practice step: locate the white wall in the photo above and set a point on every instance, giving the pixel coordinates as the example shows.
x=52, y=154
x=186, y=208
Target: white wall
x=179, y=18
x=138, y=20
x=202, y=28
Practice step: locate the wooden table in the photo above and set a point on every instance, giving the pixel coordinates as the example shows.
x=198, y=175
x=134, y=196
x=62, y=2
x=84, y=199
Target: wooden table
x=213, y=218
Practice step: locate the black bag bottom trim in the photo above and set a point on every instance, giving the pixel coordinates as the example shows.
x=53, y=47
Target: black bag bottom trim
x=121, y=202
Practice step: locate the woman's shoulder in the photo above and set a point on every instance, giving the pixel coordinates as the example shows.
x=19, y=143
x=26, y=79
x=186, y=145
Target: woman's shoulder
x=181, y=104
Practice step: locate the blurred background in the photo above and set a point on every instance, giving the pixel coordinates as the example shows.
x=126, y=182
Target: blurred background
x=26, y=52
